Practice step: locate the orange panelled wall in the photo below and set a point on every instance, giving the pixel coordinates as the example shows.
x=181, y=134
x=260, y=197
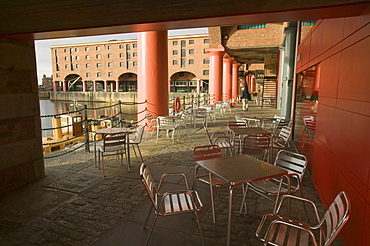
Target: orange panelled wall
x=341, y=150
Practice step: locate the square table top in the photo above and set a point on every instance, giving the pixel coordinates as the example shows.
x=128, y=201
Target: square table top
x=247, y=130
x=240, y=169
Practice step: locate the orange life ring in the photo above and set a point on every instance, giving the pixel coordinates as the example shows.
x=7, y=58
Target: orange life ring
x=177, y=104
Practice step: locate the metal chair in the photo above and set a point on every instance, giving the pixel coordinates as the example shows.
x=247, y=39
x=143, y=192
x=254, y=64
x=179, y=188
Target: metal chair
x=221, y=139
x=257, y=145
x=282, y=140
x=168, y=124
x=152, y=123
x=204, y=153
x=291, y=183
x=112, y=145
x=137, y=139
x=236, y=140
x=200, y=113
x=286, y=231
x=170, y=202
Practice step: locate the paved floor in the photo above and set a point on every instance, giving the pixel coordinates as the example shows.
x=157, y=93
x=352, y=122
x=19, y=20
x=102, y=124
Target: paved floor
x=75, y=205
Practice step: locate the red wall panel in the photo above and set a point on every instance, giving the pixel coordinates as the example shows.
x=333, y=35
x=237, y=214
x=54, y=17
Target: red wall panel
x=341, y=158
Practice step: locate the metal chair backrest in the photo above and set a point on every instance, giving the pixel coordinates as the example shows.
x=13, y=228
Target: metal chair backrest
x=335, y=218
x=149, y=184
x=256, y=144
x=165, y=122
x=206, y=152
x=113, y=140
x=284, y=136
x=139, y=133
x=294, y=163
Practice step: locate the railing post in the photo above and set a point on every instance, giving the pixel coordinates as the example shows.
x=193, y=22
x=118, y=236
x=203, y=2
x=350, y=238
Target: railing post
x=120, y=114
x=87, y=141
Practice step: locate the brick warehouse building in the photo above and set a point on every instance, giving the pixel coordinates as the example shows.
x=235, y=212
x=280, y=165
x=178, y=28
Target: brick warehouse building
x=337, y=47
x=112, y=65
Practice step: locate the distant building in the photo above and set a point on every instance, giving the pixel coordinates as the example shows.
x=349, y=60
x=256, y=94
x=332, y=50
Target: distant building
x=47, y=83
x=112, y=63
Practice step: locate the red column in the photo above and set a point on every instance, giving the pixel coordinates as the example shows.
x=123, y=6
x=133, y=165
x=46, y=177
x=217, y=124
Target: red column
x=83, y=85
x=117, y=85
x=106, y=89
x=215, y=73
x=253, y=84
x=235, y=79
x=227, y=78
x=94, y=86
x=198, y=85
x=55, y=85
x=64, y=85
x=153, y=83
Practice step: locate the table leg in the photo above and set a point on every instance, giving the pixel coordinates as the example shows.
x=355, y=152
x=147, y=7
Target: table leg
x=231, y=190
x=95, y=150
x=128, y=152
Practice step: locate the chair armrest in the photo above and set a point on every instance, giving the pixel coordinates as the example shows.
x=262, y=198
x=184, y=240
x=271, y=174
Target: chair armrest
x=174, y=174
x=305, y=200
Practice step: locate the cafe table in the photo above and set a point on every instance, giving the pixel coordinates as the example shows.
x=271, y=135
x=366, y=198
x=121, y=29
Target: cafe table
x=242, y=131
x=238, y=170
x=115, y=130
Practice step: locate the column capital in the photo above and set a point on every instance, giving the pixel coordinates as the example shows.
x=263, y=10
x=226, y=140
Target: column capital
x=228, y=59
x=219, y=50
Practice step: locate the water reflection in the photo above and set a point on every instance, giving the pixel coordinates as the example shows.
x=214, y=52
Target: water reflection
x=95, y=111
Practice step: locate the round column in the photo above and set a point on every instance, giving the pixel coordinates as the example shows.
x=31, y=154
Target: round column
x=153, y=83
x=64, y=85
x=55, y=85
x=83, y=85
x=215, y=73
x=227, y=78
x=198, y=85
x=94, y=86
x=234, y=83
x=106, y=89
x=117, y=85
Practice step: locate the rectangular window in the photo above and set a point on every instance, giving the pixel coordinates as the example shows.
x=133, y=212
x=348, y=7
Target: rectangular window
x=308, y=23
x=183, y=43
x=98, y=74
x=87, y=65
x=88, y=75
x=191, y=52
x=66, y=58
x=205, y=72
x=110, y=47
x=205, y=61
x=183, y=52
x=110, y=74
x=98, y=48
x=134, y=54
x=58, y=75
x=206, y=41
x=87, y=49
x=191, y=61
x=128, y=64
x=175, y=62
x=110, y=64
x=98, y=64
x=87, y=57
x=66, y=66
x=65, y=50
x=134, y=46
x=77, y=50
x=128, y=55
x=121, y=64
x=77, y=65
x=110, y=55
x=183, y=62
x=174, y=52
x=121, y=55
x=134, y=64
x=57, y=67
x=254, y=26
x=98, y=56
x=77, y=58
x=175, y=42
x=191, y=41
x=121, y=46
x=128, y=47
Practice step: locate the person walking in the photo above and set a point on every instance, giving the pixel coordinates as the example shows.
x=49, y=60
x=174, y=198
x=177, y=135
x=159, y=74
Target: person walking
x=245, y=97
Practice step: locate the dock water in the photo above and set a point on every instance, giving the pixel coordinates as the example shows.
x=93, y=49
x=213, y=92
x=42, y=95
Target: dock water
x=75, y=205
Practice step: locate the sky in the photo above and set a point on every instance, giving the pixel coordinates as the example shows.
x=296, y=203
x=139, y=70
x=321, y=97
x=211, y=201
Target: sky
x=43, y=54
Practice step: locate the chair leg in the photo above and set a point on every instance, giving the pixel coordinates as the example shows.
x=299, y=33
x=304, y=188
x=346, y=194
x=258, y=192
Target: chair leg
x=151, y=229
x=200, y=230
x=244, y=201
x=141, y=157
